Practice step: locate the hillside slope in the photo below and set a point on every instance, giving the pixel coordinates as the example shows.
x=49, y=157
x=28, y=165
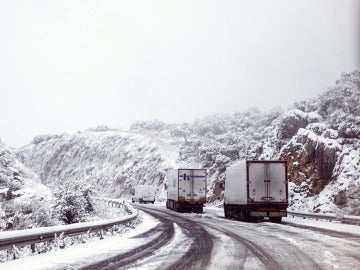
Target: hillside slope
x=24, y=201
x=324, y=153
x=320, y=138
x=112, y=162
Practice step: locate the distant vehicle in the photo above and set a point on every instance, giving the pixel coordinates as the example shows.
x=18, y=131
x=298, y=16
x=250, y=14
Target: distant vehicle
x=144, y=194
x=256, y=189
x=186, y=190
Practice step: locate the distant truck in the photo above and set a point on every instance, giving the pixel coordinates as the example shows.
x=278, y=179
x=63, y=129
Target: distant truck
x=144, y=194
x=186, y=190
x=256, y=189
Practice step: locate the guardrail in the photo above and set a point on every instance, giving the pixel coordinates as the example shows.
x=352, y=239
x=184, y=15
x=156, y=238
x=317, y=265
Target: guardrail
x=355, y=220
x=9, y=239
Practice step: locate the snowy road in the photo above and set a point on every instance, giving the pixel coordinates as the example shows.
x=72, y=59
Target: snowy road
x=196, y=246
x=262, y=245
x=169, y=240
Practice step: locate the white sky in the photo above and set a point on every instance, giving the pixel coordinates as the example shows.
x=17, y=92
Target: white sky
x=70, y=65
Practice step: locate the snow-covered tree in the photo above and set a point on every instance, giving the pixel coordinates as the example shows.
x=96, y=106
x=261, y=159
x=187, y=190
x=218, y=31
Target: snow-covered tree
x=344, y=96
x=182, y=130
x=73, y=201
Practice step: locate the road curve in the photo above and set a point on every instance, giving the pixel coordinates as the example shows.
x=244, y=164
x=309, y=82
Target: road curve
x=209, y=241
x=197, y=255
x=204, y=240
x=265, y=245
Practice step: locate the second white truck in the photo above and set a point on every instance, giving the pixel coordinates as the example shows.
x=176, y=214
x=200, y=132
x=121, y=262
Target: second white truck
x=144, y=194
x=256, y=189
x=186, y=190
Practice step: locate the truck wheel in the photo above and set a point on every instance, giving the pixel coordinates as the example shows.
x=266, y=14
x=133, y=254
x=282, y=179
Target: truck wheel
x=230, y=213
x=171, y=204
x=244, y=215
x=227, y=210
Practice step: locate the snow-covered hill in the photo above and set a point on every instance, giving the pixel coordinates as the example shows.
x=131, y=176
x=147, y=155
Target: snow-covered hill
x=320, y=138
x=24, y=201
x=113, y=162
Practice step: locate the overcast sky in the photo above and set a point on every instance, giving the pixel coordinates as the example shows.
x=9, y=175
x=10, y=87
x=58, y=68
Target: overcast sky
x=70, y=65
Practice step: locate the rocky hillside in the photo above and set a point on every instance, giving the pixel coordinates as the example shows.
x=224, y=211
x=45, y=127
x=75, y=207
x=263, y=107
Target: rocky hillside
x=113, y=162
x=320, y=139
x=323, y=149
x=24, y=201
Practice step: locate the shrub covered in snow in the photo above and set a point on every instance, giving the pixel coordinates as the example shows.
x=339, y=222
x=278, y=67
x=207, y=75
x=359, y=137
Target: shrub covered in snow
x=350, y=128
x=73, y=201
x=344, y=96
x=293, y=120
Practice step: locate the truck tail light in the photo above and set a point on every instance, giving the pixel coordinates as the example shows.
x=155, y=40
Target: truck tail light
x=202, y=199
x=181, y=198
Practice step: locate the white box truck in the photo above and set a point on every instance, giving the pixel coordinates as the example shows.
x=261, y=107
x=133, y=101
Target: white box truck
x=186, y=190
x=144, y=194
x=256, y=189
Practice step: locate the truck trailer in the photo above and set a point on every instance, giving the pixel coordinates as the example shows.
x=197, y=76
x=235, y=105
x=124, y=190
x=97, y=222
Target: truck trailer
x=256, y=189
x=144, y=194
x=186, y=190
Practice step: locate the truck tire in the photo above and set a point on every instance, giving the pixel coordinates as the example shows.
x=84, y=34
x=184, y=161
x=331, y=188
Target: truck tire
x=199, y=209
x=171, y=205
x=177, y=207
x=227, y=211
x=246, y=215
x=230, y=212
x=243, y=214
x=226, y=214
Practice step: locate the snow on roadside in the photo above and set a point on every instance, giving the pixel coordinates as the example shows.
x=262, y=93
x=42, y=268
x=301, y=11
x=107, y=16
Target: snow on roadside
x=321, y=224
x=78, y=256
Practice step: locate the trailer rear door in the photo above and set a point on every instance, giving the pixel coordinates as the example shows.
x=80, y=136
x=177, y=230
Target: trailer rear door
x=192, y=184
x=267, y=181
x=199, y=184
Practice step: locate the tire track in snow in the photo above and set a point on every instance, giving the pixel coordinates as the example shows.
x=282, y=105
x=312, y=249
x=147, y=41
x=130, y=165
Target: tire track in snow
x=266, y=258
x=270, y=257
x=125, y=260
x=283, y=256
x=198, y=255
x=187, y=261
